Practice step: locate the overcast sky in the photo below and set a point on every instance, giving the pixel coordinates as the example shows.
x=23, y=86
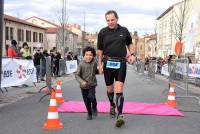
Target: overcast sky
x=136, y=15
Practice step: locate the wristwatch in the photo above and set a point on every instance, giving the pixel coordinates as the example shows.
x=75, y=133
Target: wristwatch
x=133, y=54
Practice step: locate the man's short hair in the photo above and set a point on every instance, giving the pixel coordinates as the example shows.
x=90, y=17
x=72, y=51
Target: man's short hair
x=110, y=12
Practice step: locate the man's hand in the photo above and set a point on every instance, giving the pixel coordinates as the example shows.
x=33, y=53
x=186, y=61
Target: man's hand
x=131, y=59
x=100, y=69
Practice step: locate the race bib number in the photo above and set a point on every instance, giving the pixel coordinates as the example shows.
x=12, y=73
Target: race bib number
x=113, y=64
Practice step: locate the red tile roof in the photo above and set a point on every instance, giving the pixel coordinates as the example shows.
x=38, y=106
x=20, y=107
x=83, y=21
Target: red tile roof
x=17, y=20
x=52, y=30
x=152, y=36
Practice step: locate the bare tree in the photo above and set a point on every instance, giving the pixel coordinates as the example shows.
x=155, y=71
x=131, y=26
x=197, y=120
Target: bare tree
x=179, y=20
x=61, y=30
x=62, y=18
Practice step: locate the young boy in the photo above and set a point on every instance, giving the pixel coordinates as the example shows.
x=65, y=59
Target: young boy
x=86, y=76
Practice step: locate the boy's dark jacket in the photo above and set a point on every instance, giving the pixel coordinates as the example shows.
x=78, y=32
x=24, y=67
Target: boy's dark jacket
x=87, y=72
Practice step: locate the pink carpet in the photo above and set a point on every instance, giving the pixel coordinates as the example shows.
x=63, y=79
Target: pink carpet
x=129, y=108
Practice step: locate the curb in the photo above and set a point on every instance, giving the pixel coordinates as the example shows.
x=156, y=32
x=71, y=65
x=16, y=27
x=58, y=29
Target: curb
x=15, y=94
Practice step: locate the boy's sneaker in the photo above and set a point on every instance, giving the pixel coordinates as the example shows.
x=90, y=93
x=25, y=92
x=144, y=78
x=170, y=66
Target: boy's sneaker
x=119, y=121
x=94, y=111
x=89, y=117
x=112, y=111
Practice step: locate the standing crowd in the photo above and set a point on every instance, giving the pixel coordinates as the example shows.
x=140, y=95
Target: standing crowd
x=38, y=56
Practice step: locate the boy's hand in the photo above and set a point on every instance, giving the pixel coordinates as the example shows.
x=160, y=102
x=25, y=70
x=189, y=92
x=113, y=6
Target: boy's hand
x=83, y=84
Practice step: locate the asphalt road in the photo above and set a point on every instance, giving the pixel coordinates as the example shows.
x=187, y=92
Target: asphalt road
x=27, y=116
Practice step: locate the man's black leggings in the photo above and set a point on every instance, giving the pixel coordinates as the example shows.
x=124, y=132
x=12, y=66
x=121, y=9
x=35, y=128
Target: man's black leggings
x=89, y=98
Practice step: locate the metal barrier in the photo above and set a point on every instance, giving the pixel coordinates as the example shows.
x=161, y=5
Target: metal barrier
x=152, y=69
x=42, y=68
x=139, y=66
x=48, y=72
x=62, y=67
x=197, y=81
x=1, y=89
x=179, y=75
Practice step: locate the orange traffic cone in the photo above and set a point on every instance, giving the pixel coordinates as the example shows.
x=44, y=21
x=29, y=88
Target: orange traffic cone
x=59, y=97
x=171, y=97
x=53, y=121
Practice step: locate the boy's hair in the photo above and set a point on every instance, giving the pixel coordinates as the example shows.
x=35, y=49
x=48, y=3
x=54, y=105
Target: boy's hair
x=89, y=48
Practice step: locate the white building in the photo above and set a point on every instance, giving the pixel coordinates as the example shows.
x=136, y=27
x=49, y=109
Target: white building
x=167, y=28
x=165, y=37
x=76, y=28
x=22, y=31
x=54, y=35
x=150, y=46
x=41, y=22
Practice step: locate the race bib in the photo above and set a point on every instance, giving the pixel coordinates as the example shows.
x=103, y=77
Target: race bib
x=113, y=64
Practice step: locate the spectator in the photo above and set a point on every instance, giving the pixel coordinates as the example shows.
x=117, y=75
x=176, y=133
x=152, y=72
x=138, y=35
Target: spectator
x=56, y=64
x=13, y=50
x=70, y=56
x=52, y=54
x=43, y=62
x=189, y=60
x=36, y=59
x=25, y=51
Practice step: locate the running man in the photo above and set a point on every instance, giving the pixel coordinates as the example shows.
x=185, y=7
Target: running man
x=114, y=49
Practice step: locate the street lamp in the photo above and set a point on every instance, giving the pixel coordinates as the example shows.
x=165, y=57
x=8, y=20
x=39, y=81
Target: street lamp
x=1, y=35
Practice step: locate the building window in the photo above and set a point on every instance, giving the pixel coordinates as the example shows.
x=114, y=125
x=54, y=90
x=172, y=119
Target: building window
x=11, y=33
x=34, y=21
x=7, y=33
x=41, y=37
x=20, y=34
x=28, y=36
x=35, y=37
x=149, y=48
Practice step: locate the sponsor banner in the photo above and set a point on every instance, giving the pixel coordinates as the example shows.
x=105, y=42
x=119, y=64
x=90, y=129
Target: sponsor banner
x=194, y=70
x=164, y=70
x=181, y=68
x=71, y=66
x=17, y=72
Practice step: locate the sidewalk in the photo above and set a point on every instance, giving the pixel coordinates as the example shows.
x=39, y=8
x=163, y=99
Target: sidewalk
x=17, y=93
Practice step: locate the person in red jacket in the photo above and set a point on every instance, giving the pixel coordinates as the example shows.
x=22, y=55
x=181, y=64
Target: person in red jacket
x=12, y=50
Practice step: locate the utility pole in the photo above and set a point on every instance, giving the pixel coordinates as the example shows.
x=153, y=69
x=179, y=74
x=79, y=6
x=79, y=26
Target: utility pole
x=1, y=35
x=83, y=30
x=63, y=24
x=135, y=35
